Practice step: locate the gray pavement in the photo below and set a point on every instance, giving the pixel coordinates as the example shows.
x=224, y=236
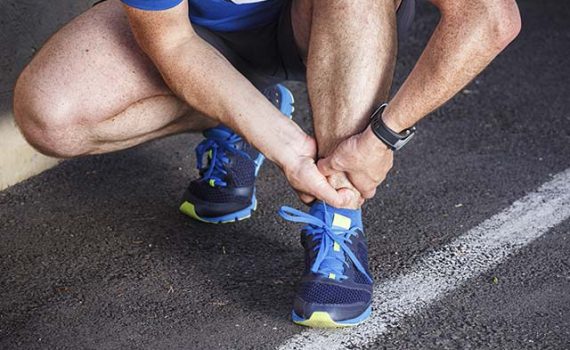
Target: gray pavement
x=94, y=254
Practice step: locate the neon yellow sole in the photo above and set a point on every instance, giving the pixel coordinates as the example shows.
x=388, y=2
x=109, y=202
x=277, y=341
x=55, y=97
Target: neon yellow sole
x=321, y=319
x=189, y=209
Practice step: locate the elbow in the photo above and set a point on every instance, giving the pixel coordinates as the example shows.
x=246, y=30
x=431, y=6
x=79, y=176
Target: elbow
x=494, y=23
x=503, y=24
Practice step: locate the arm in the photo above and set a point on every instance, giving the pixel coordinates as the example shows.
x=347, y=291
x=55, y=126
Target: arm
x=468, y=37
x=202, y=77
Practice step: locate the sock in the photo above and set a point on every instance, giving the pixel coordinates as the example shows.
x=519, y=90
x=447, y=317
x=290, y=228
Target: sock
x=339, y=217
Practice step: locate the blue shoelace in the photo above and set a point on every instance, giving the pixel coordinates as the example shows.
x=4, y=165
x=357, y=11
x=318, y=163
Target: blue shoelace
x=327, y=261
x=216, y=149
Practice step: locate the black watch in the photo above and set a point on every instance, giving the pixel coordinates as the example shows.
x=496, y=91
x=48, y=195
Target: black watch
x=392, y=139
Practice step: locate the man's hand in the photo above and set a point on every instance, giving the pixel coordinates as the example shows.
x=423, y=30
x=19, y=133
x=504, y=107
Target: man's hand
x=303, y=175
x=363, y=158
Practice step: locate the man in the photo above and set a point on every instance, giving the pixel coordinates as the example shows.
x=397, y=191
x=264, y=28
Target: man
x=120, y=75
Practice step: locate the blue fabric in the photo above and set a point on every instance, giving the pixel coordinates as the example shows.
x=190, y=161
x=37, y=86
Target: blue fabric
x=220, y=15
x=219, y=142
x=152, y=5
x=319, y=227
x=346, y=296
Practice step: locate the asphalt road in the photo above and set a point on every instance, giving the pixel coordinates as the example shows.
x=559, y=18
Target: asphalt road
x=94, y=254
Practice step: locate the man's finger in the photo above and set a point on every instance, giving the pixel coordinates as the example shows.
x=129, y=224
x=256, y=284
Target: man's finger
x=325, y=166
x=369, y=194
x=319, y=187
x=306, y=198
x=366, y=188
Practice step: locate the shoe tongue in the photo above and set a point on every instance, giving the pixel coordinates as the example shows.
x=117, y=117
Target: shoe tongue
x=337, y=217
x=341, y=221
x=220, y=132
x=223, y=133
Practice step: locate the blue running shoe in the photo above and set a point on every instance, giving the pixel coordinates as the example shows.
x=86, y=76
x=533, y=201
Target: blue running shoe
x=225, y=190
x=336, y=287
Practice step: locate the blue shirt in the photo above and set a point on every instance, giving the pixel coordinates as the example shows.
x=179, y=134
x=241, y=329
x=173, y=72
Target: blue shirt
x=220, y=15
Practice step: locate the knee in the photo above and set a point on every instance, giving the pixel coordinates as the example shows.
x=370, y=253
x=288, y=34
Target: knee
x=47, y=121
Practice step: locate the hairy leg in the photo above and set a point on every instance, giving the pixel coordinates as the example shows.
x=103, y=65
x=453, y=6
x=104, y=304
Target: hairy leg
x=350, y=49
x=91, y=89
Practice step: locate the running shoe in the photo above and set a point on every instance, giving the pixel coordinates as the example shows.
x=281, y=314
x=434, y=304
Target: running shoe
x=336, y=286
x=228, y=166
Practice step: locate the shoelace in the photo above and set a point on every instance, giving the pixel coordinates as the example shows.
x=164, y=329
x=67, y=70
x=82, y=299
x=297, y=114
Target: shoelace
x=327, y=261
x=215, y=172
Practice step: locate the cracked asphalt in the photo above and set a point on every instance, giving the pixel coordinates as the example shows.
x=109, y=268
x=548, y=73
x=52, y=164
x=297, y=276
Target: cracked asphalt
x=95, y=255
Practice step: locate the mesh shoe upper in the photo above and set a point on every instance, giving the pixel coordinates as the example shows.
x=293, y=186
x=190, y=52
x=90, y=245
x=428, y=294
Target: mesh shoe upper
x=336, y=278
x=227, y=170
x=320, y=293
x=230, y=163
x=228, y=167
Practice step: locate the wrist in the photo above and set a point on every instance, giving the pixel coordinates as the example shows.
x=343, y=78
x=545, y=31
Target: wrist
x=372, y=143
x=286, y=142
x=392, y=121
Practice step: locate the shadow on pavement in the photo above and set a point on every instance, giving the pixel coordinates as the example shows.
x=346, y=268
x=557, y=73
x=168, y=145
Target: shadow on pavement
x=107, y=246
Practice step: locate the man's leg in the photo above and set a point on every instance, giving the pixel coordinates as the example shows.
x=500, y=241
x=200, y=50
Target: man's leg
x=90, y=89
x=350, y=49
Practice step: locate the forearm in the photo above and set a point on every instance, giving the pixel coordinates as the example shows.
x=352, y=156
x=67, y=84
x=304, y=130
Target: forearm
x=202, y=77
x=468, y=37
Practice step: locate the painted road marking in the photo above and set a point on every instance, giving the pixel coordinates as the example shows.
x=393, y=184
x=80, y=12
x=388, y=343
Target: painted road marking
x=442, y=271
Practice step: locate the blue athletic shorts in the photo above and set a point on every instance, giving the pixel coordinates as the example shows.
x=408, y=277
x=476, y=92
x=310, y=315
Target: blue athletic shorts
x=267, y=54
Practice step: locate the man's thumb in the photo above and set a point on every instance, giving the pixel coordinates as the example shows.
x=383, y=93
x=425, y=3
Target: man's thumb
x=320, y=188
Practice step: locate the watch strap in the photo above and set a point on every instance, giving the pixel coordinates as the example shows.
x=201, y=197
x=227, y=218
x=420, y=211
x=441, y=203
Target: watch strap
x=392, y=139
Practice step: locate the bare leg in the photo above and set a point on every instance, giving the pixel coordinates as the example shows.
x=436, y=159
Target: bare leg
x=351, y=49
x=90, y=89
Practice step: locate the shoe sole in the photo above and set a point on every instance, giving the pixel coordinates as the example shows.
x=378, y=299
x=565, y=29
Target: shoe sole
x=189, y=208
x=322, y=319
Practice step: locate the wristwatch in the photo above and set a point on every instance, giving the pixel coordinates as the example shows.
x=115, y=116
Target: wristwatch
x=392, y=139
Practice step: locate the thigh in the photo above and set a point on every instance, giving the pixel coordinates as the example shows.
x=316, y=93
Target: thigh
x=302, y=11
x=92, y=68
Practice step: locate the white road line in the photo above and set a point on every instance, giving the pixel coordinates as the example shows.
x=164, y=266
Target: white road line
x=444, y=270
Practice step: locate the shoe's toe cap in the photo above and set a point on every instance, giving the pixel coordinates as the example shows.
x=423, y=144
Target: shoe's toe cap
x=341, y=303
x=215, y=201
